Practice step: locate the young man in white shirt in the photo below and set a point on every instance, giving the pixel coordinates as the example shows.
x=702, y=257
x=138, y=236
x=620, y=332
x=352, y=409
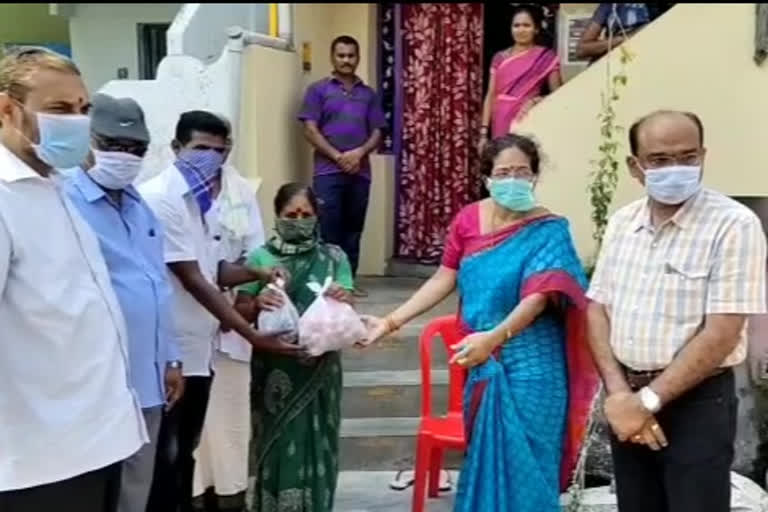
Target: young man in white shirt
x=221, y=459
x=68, y=416
x=186, y=199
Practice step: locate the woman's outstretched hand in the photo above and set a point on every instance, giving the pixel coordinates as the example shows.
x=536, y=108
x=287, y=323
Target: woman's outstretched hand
x=473, y=350
x=377, y=329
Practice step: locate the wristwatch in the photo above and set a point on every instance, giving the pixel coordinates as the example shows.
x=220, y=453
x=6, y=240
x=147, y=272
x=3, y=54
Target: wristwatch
x=174, y=364
x=650, y=400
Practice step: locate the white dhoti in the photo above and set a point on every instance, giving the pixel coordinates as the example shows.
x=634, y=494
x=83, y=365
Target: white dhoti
x=221, y=459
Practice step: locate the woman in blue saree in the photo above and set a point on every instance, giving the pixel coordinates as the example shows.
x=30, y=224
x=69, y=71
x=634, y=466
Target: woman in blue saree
x=531, y=380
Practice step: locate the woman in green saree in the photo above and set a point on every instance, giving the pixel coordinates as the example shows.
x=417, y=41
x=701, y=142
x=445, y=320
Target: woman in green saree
x=295, y=403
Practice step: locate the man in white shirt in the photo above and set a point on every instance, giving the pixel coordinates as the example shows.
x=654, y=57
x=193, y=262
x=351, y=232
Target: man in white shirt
x=186, y=200
x=221, y=459
x=68, y=416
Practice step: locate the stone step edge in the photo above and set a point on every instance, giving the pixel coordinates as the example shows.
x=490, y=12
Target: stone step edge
x=383, y=378
x=353, y=428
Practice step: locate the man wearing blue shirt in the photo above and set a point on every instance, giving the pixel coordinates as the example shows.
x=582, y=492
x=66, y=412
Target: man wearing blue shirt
x=132, y=244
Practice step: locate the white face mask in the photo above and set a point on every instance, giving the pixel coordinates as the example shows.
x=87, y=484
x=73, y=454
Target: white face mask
x=674, y=184
x=115, y=170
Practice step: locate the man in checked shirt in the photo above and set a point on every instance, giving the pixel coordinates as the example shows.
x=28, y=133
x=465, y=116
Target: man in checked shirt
x=678, y=275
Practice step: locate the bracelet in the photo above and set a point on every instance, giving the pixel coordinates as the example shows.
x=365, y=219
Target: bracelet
x=484, y=129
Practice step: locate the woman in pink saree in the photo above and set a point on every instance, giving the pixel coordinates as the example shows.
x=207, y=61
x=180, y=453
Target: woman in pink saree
x=517, y=76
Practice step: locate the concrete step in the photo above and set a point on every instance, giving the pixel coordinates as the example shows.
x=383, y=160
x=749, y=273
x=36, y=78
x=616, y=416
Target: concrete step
x=383, y=444
x=375, y=394
x=399, y=352
x=368, y=491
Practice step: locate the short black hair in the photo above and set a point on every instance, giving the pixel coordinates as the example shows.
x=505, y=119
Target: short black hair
x=634, y=130
x=200, y=121
x=291, y=190
x=349, y=40
x=510, y=140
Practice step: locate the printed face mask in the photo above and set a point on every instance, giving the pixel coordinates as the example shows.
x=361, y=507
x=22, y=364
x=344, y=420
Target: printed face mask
x=297, y=230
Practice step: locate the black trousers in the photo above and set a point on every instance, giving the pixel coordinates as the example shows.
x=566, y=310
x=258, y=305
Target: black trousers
x=96, y=491
x=179, y=436
x=345, y=203
x=693, y=473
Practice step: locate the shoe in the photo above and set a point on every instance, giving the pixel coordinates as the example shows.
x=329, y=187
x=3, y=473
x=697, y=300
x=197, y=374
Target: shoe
x=359, y=293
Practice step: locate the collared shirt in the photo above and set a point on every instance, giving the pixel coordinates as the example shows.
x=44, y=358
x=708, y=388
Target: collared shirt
x=66, y=406
x=346, y=118
x=658, y=284
x=187, y=236
x=131, y=242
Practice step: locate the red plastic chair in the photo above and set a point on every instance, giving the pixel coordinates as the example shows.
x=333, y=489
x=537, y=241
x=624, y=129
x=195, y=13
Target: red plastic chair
x=437, y=434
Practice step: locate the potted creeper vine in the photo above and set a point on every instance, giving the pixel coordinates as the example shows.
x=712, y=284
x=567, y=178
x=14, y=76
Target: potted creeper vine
x=605, y=173
x=602, y=187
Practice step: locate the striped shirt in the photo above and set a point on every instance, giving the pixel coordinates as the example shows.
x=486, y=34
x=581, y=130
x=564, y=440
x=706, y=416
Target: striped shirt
x=658, y=284
x=346, y=118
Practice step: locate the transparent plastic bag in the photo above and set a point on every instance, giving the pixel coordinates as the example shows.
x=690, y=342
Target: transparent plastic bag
x=285, y=318
x=328, y=325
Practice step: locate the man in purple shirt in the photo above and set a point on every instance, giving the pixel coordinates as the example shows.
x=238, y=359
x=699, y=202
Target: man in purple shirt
x=343, y=119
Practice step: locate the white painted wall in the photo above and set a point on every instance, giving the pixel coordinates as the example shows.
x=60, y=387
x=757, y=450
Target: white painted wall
x=104, y=37
x=183, y=83
x=200, y=29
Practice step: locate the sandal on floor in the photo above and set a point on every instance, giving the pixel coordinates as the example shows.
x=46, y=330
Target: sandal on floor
x=404, y=479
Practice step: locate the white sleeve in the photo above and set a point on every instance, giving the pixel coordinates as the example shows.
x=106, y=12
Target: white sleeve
x=256, y=236
x=178, y=242
x=5, y=254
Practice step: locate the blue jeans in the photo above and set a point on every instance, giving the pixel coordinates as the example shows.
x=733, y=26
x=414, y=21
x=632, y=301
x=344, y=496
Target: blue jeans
x=344, y=199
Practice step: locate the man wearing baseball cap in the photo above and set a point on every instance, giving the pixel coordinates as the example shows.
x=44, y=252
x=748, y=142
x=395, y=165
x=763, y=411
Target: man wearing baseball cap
x=131, y=242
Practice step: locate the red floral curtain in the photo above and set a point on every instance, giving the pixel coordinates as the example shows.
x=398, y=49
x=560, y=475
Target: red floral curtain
x=441, y=105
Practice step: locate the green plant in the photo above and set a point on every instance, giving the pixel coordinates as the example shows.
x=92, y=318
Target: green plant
x=605, y=176
x=605, y=173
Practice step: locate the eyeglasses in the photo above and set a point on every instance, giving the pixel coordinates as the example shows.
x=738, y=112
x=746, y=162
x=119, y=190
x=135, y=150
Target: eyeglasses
x=659, y=161
x=122, y=146
x=521, y=172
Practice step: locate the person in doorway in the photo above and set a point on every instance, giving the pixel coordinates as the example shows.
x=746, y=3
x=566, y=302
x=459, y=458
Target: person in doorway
x=186, y=199
x=221, y=459
x=131, y=242
x=618, y=20
x=68, y=415
x=296, y=403
x=531, y=381
x=518, y=75
x=343, y=120
x=678, y=275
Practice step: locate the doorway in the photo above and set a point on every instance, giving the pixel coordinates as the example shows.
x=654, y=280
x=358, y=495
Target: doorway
x=497, y=36
x=152, y=47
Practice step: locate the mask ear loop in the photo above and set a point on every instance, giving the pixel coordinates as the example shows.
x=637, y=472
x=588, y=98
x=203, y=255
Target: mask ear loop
x=23, y=111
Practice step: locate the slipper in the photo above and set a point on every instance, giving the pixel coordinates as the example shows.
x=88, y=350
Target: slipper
x=404, y=479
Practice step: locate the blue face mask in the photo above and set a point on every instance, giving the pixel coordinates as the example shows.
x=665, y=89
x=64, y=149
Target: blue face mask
x=513, y=194
x=674, y=184
x=64, y=139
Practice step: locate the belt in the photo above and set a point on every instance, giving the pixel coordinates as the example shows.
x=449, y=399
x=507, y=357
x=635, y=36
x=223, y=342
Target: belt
x=639, y=379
